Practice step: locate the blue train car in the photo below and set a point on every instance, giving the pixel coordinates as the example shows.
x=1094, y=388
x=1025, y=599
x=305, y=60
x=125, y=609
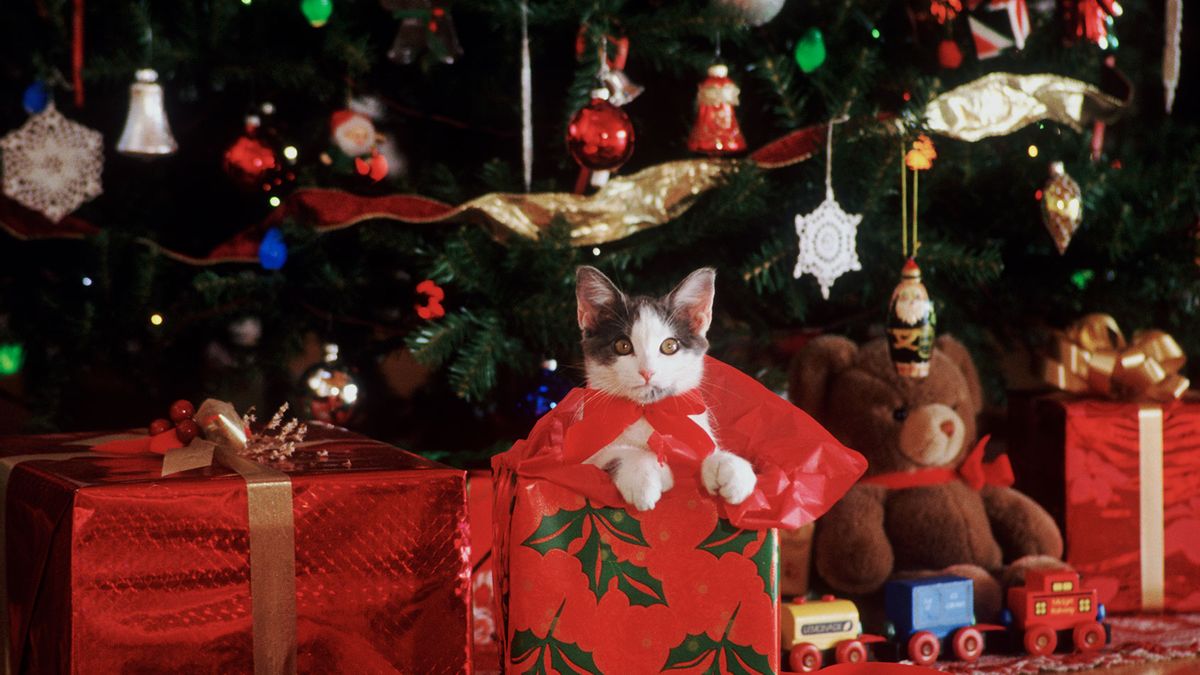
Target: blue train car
x=925, y=614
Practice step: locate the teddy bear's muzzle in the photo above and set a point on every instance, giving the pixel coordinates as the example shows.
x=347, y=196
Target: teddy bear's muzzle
x=932, y=435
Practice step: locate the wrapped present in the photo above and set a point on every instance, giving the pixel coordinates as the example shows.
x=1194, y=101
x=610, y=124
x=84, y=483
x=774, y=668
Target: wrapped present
x=588, y=585
x=484, y=641
x=348, y=556
x=1116, y=458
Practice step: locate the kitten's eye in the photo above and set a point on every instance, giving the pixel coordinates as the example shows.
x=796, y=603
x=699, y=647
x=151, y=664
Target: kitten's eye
x=900, y=414
x=669, y=346
x=623, y=347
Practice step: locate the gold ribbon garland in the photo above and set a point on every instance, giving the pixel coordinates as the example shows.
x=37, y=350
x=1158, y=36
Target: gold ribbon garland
x=1092, y=356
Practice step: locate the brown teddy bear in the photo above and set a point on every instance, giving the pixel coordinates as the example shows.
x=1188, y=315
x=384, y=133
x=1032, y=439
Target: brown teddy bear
x=927, y=504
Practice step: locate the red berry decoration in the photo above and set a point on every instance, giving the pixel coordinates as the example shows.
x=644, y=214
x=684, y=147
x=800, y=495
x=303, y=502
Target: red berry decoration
x=949, y=55
x=160, y=425
x=186, y=430
x=182, y=410
x=600, y=135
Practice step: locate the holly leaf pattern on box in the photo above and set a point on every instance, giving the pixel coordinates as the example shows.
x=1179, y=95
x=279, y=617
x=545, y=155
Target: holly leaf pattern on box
x=766, y=560
x=600, y=564
x=725, y=538
x=566, y=658
x=717, y=656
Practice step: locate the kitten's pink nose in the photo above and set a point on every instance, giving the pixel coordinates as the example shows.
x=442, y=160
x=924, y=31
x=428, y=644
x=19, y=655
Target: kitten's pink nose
x=646, y=374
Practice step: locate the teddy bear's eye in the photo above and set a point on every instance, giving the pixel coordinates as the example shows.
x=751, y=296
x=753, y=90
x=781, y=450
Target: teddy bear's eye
x=900, y=414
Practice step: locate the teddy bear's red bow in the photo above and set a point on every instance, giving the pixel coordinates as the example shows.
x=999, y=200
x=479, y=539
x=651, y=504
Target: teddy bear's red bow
x=606, y=416
x=973, y=471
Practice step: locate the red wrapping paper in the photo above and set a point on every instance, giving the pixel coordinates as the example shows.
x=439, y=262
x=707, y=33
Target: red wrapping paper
x=485, y=643
x=1103, y=501
x=586, y=586
x=113, y=568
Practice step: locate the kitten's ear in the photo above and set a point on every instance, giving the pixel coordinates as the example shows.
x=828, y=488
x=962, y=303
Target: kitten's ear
x=593, y=293
x=693, y=297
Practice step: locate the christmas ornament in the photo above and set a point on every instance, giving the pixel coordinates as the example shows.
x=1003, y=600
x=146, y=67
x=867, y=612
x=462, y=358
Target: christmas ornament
x=827, y=235
x=431, y=307
x=1172, y=52
x=12, y=356
x=949, y=55
x=272, y=251
x=51, y=164
x=810, y=50
x=35, y=98
x=355, y=136
x=1062, y=206
x=423, y=25
x=329, y=390
x=621, y=89
x=246, y=331
x=316, y=11
x=550, y=388
x=147, y=132
x=716, y=131
x=1091, y=20
x=997, y=25
x=945, y=10
x=252, y=163
x=755, y=12
x=600, y=137
x=910, y=324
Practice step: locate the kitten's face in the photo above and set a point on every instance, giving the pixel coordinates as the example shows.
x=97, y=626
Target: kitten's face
x=643, y=348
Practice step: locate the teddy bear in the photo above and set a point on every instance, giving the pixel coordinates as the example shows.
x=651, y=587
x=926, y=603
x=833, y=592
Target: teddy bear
x=927, y=503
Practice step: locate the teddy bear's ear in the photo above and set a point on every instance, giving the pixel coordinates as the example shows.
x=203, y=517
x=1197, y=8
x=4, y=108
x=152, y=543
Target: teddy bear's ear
x=962, y=358
x=812, y=368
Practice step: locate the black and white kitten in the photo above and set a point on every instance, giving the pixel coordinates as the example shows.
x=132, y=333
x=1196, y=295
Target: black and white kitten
x=645, y=349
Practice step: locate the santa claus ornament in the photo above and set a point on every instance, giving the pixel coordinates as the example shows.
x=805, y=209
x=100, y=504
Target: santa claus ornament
x=355, y=136
x=716, y=131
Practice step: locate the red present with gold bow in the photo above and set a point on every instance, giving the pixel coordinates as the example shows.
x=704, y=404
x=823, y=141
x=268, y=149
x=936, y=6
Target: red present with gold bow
x=587, y=585
x=1116, y=457
x=349, y=556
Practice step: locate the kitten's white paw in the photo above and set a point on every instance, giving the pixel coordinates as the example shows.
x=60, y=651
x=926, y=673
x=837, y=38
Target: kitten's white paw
x=728, y=475
x=640, y=481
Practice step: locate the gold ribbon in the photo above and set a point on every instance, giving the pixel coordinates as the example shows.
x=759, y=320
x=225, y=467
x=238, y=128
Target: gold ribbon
x=1093, y=357
x=1000, y=103
x=1150, y=511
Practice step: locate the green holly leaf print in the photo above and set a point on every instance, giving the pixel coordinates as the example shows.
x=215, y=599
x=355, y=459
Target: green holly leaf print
x=725, y=538
x=621, y=525
x=717, y=656
x=566, y=658
x=767, y=562
x=557, y=531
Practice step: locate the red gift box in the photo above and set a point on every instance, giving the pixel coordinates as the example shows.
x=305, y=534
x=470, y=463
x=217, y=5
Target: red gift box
x=586, y=585
x=112, y=567
x=1130, y=495
x=485, y=643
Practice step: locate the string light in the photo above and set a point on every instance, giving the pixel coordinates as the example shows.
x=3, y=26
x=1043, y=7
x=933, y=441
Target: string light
x=12, y=355
x=596, y=250
x=875, y=33
x=291, y=153
x=1033, y=151
x=87, y=281
x=156, y=319
x=274, y=201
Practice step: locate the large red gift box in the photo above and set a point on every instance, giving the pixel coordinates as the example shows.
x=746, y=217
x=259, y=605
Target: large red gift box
x=588, y=586
x=112, y=567
x=1129, y=494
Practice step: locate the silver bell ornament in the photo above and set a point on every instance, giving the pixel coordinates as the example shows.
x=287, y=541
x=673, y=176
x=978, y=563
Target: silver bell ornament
x=147, y=133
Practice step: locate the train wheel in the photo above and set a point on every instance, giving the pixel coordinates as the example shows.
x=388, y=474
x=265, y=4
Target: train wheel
x=850, y=651
x=968, y=644
x=923, y=648
x=1040, y=640
x=1088, y=637
x=805, y=658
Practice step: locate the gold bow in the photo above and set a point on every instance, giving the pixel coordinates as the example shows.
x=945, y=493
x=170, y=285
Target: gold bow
x=1092, y=356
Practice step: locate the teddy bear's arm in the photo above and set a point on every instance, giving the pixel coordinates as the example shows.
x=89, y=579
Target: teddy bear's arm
x=1020, y=525
x=852, y=551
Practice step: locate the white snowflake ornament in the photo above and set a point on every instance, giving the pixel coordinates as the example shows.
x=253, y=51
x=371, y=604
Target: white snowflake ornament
x=51, y=164
x=827, y=235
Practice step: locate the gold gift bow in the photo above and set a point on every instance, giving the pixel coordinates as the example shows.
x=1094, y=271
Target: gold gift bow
x=272, y=543
x=1092, y=357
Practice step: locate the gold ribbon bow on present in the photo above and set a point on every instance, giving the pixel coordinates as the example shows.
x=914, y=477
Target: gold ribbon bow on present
x=1092, y=356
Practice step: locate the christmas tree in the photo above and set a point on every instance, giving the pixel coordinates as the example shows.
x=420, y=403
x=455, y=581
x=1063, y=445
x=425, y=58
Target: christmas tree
x=304, y=241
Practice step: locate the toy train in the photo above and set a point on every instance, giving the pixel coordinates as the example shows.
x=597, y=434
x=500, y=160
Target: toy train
x=929, y=617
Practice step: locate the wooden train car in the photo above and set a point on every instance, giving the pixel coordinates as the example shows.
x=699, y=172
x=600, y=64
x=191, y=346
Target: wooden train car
x=927, y=617
x=1052, y=603
x=811, y=629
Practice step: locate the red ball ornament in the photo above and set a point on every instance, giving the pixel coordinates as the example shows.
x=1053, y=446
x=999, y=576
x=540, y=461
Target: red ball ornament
x=252, y=161
x=160, y=425
x=182, y=410
x=186, y=430
x=949, y=55
x=600, y=135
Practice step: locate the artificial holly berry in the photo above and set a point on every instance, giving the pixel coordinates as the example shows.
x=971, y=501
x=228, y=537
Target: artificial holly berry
x=160, y=425
x=186, y=430
x=182, y=410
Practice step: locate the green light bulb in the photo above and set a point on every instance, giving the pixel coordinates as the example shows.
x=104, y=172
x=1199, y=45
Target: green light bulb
x=810, y=50
x=12, y=355
x=316, y=11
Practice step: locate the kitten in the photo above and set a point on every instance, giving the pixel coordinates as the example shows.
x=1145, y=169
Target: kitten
x=646, y=349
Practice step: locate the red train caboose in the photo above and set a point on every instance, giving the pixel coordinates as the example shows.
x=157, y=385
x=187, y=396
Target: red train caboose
x=1053, y=601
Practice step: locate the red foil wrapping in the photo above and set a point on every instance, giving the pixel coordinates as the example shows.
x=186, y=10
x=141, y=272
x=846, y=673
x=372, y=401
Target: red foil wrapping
x=692, y=583
x=113, y=568
x=485, y=642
